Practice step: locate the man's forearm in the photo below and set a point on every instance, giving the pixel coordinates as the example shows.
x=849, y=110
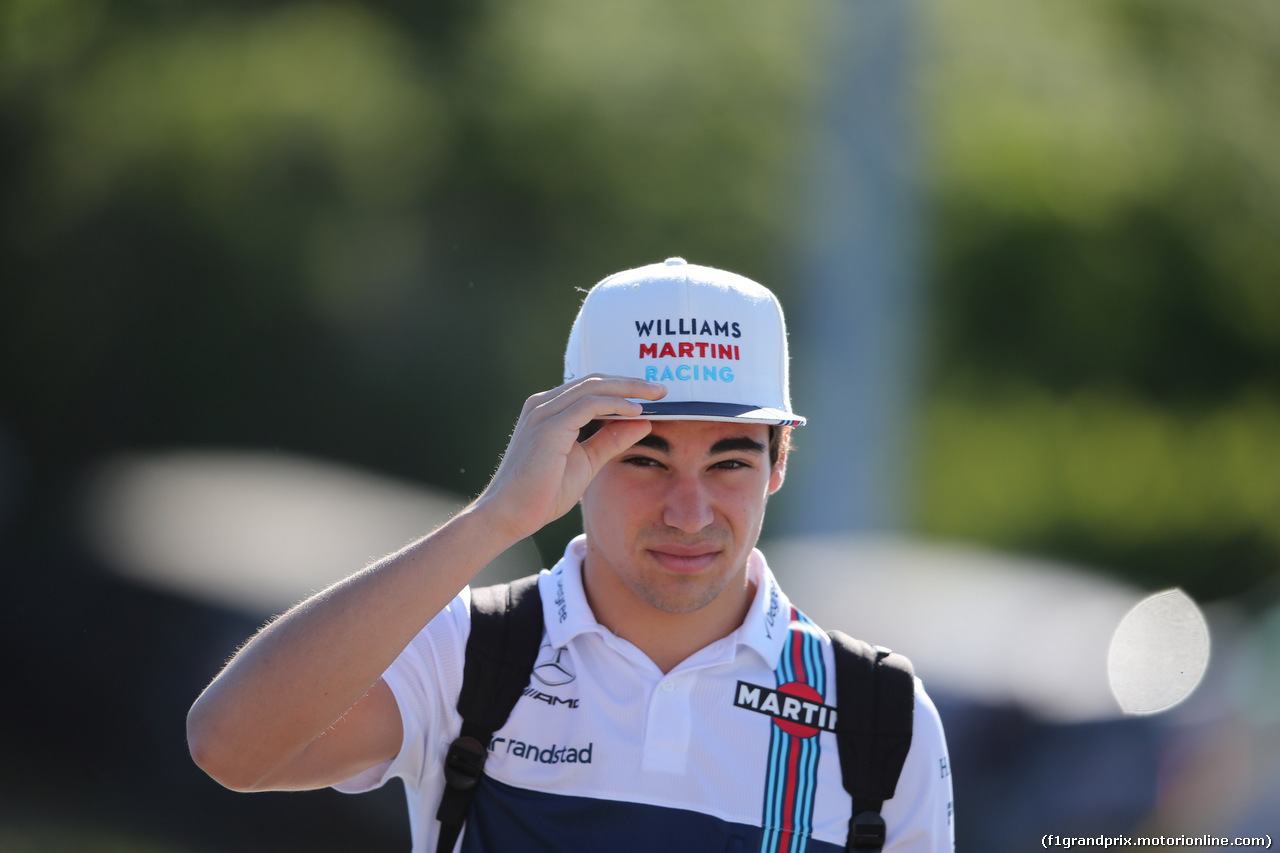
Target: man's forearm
x=303, y=671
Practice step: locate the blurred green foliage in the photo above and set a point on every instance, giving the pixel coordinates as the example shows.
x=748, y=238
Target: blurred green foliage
x=1112, y=479
x=359, y=230
x=1106, y=359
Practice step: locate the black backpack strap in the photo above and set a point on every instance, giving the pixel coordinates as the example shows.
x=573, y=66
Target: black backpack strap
x=875, y=701
x=506, y=633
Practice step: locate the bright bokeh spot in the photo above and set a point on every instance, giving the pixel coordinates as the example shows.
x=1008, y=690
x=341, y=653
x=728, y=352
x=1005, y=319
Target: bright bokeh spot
x=1158, y=653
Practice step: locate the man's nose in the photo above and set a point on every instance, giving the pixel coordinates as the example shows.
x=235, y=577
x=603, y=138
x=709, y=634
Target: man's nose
x=688, y=505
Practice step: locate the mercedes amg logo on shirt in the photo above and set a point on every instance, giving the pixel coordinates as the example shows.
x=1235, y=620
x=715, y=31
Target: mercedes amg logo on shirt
x=553, y=668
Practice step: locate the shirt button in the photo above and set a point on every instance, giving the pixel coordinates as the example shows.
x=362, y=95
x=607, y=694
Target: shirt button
x=668, y=686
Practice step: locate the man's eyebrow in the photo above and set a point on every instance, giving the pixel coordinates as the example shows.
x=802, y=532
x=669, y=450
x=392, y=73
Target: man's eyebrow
x=654, y=442
x=734, y=444
x=737, y=444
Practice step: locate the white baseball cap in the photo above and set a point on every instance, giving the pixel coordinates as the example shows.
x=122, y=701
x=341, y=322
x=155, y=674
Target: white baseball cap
x=715, y=339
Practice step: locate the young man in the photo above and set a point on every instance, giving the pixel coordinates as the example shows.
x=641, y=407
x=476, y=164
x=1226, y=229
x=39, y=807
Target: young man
x=634, y=733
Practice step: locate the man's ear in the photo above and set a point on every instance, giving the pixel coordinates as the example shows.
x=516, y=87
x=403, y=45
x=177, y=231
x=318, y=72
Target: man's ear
x=779, y=471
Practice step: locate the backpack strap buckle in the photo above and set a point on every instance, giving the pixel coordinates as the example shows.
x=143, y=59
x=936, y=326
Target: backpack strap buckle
x=866, y=831
x=464, y=765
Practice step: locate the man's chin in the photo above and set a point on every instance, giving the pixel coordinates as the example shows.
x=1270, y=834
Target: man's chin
x=679, y=594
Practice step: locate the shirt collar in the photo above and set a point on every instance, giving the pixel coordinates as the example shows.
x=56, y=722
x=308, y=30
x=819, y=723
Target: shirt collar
x=769, y=617
x=566, y=614
x=565, y=611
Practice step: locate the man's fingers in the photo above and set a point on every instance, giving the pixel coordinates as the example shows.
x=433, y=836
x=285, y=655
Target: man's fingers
x=576, y=405
x=602, y=383
x=557, y=400
x=594, y=408
x=611, y=439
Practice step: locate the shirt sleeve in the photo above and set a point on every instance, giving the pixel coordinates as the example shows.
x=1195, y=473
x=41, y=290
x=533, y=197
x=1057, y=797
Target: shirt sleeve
x=919, y=818
x=425, y=679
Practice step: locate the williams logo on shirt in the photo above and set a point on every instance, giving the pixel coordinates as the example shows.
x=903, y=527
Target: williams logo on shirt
x=795, y=707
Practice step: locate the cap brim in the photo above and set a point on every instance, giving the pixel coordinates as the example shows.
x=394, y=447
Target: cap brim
x=694, y=410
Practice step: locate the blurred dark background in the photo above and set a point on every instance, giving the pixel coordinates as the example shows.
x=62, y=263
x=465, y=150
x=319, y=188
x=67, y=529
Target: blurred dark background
x=358, y=232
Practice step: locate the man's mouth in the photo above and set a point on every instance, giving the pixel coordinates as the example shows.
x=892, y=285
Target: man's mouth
x=684, y=559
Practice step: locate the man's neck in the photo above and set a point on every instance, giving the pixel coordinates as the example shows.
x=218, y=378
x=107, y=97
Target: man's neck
x=666, y=638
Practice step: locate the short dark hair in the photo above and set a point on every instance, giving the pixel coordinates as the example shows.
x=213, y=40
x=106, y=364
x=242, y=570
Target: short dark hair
x=779, y=442
x=779, y=439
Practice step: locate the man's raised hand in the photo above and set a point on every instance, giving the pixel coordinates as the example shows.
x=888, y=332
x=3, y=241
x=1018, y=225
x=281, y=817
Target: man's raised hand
x=545, y=470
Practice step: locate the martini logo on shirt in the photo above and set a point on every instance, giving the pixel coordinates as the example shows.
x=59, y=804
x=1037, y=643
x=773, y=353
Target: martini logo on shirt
x=795, y=707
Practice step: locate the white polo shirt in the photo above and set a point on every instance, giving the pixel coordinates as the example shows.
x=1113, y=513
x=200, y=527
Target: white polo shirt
x=605, y=752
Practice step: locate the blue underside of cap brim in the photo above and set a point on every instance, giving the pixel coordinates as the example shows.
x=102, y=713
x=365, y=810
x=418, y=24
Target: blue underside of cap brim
x=694, y=410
